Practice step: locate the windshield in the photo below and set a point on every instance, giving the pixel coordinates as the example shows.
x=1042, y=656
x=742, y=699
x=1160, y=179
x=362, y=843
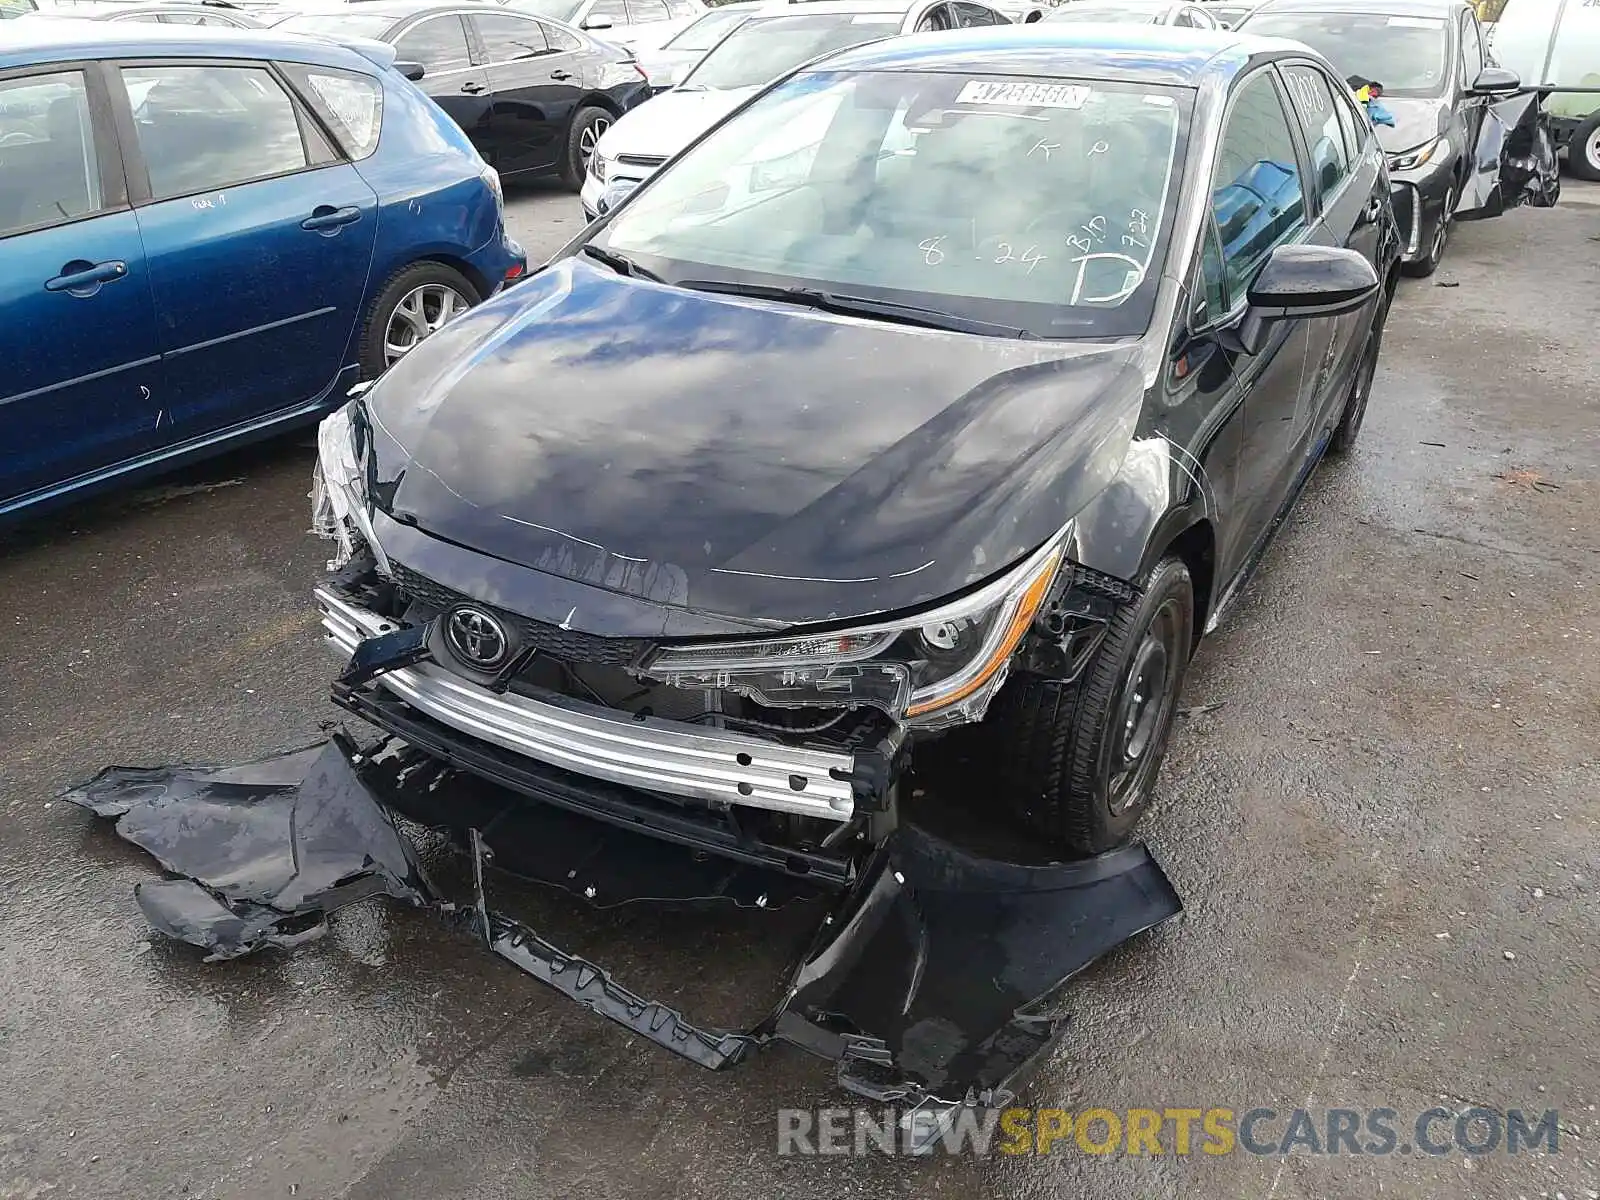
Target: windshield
x=708, y=30
x=556, y=10
x=758, y=52
x=1408, y=55
x=1036, y=204
x=1115, y=14
x=365, y=25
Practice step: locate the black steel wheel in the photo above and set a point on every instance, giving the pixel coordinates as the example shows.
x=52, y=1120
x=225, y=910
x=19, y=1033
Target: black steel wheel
x=1077, y=761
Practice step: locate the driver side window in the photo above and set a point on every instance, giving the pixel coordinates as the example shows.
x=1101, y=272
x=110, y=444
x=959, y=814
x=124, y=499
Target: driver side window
x=1257, y=195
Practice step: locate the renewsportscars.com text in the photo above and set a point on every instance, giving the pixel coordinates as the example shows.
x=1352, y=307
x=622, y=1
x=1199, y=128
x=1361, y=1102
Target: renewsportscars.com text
x=1171, y=1131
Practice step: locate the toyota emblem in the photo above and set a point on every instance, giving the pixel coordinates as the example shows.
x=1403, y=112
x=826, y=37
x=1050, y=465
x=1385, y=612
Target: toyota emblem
x=476, y=638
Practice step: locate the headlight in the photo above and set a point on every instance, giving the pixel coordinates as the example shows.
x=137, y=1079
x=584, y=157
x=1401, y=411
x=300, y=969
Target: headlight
x=1438, y=148
x=938, y=667
x=597, y=167
x=339, y=492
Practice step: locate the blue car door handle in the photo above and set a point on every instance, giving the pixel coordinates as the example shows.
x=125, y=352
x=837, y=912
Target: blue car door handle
x=326, y=217
x=86, y=277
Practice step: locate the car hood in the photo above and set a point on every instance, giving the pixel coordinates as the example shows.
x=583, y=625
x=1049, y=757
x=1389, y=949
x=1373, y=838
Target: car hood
x=741, y=458
x=1416, y=122
x=669, y=122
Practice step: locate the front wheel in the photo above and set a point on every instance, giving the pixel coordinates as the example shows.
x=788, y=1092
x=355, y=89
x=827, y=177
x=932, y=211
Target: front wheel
x=1583, y=151
x=1077, y=761
x=1440, y=238
x=589, y=125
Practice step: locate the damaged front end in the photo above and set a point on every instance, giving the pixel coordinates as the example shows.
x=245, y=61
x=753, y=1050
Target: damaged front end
x=785, y=749
x=932, y=980
x=751, y=764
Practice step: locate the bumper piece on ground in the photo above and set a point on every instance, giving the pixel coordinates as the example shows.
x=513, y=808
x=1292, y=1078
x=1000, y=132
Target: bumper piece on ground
x=266, y=849
x=932, y=981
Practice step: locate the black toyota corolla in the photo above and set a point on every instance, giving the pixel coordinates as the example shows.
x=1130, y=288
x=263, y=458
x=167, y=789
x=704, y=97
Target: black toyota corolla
x=951, y=381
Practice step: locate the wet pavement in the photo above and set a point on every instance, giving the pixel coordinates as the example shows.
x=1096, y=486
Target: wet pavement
x=1382, y=817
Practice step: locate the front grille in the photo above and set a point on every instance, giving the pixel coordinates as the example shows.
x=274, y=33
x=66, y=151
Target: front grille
x=642, y=160
x=565, y=645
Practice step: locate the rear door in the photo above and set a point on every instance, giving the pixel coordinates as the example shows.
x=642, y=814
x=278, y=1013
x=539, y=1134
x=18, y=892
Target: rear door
x=77, y=324
x=1342, y=186
x=258, y=235
x=451, y=78
x=535, y=86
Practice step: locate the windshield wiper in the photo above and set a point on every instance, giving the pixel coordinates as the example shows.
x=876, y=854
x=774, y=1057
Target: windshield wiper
x=619, y=263
x=836, y=302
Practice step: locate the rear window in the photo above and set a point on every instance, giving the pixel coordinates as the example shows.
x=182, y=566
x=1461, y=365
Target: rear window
x=349, y=102
x=365, y=25
x=1408, y=55
x=759, y=51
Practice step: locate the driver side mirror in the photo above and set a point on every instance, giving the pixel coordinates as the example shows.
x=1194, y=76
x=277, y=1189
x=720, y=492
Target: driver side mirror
x=1495, y=81
x=411, y=70
x=598, y=21
x=1299, y=282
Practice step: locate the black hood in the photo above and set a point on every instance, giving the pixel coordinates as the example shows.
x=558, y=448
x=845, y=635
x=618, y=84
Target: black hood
x=1417, y=121
x=742, y=458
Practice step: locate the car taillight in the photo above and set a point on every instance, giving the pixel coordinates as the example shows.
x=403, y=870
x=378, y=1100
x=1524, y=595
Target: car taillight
x=643, y=74
x=492, y=178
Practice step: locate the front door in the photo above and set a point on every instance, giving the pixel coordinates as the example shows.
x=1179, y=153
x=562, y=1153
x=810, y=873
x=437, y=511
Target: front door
x=77, y=325
x=259, y=240
x=1259, y=203
x=536, y=87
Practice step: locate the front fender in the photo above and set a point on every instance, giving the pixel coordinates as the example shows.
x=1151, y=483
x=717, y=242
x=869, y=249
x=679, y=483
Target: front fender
x=1161, y=491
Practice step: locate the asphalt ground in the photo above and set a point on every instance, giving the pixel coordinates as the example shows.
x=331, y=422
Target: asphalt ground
x=1381, y=812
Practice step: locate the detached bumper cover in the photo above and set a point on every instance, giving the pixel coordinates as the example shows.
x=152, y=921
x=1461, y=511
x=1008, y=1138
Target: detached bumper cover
x=931, y=981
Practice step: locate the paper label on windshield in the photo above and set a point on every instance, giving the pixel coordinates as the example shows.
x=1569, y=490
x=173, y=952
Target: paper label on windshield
x=1024, y=95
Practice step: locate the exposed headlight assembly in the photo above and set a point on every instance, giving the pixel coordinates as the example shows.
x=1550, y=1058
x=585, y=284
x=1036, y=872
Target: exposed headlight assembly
x=339, y=491
x=940, y=667
x=1438, y=148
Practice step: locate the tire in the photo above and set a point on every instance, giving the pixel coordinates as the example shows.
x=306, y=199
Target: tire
x=588, y=124
x=1583, y=150
x=424, y=289
x=1355, y=404
x=1061, y=749
x=1426, y=266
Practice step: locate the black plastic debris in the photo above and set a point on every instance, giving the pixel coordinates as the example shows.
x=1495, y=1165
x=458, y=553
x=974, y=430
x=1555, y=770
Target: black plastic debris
x=263, y=852
x=933, y=980
x=939, y=978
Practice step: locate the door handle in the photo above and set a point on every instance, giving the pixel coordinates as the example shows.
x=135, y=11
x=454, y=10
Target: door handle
x=560, y=74
x=1371, y=211
x=472, y=89
x=326, y=217
x=84, y=278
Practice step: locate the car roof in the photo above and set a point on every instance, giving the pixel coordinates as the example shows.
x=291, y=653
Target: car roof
x=34, y=42
x=809, y=8
x=1396, y=8
x=1113, y=6
x=1155, y=54
x=399, y=9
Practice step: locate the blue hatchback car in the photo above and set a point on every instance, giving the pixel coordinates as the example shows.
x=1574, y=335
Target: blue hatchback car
x=207, y=236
